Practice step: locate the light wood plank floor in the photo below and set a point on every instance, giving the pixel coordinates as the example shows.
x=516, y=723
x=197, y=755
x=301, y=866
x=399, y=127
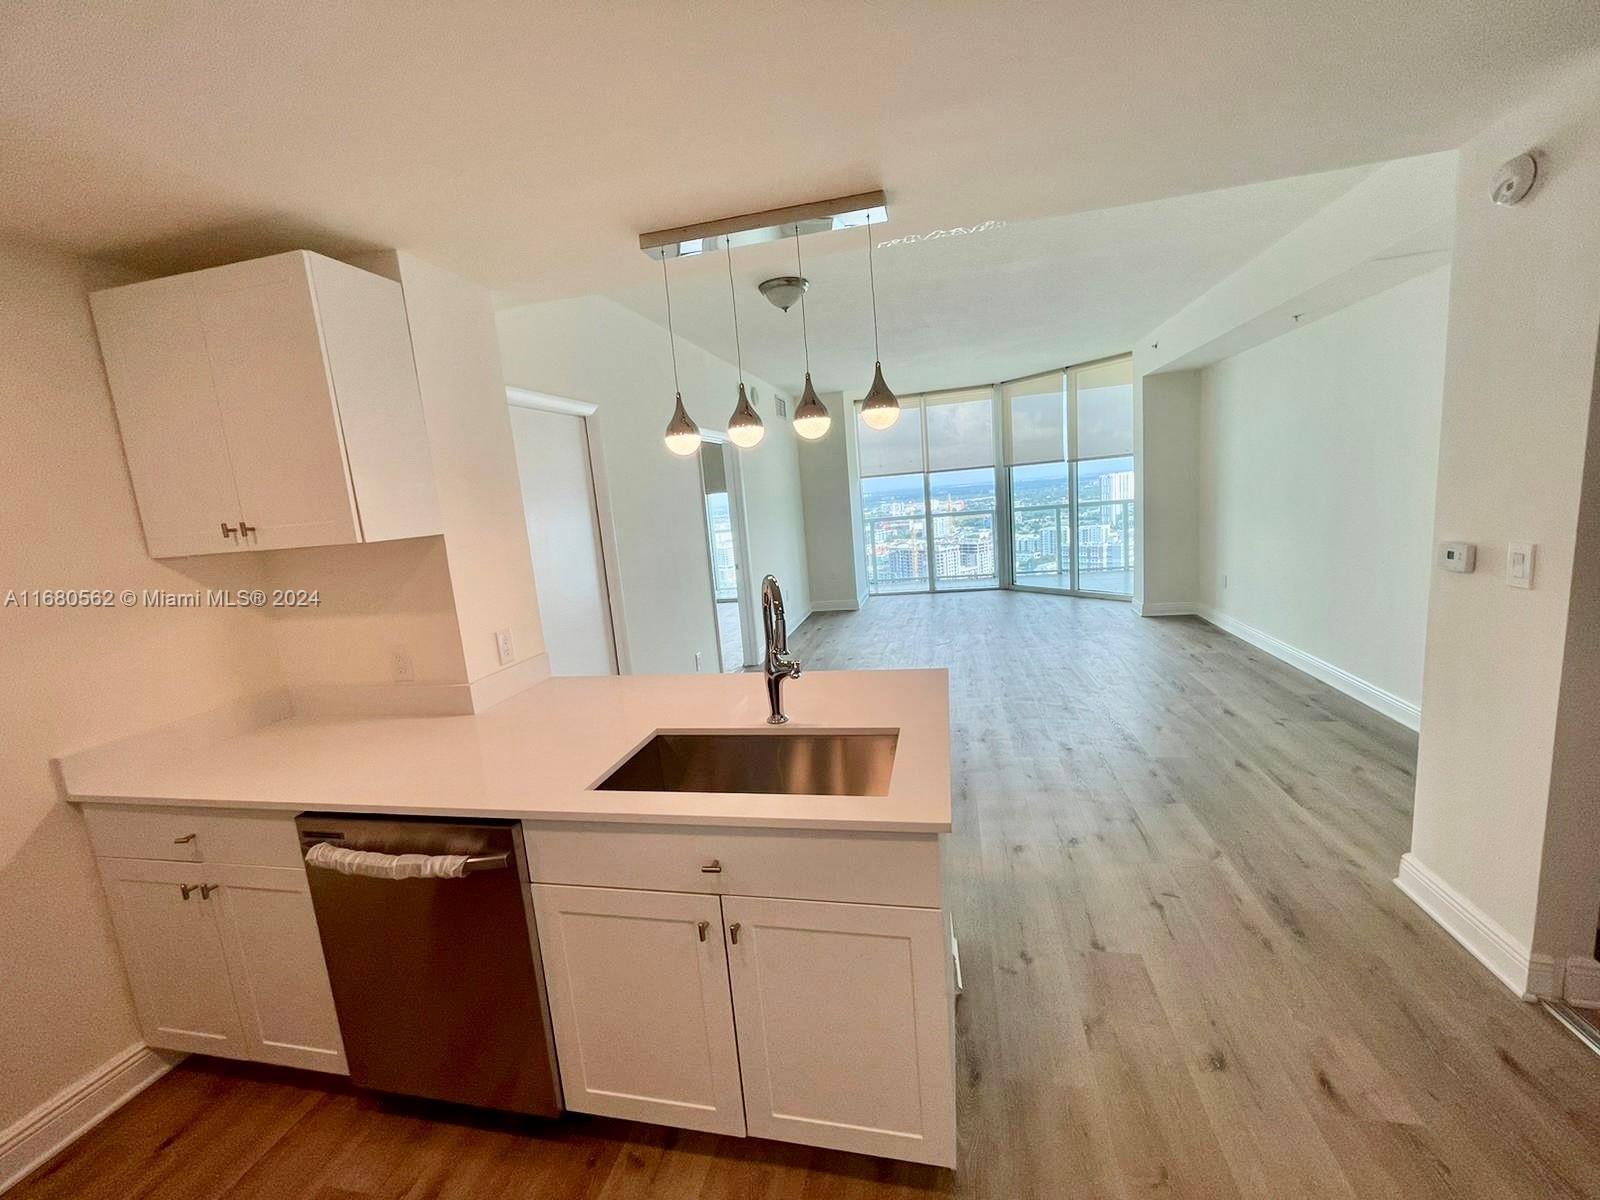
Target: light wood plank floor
x=1188, y=973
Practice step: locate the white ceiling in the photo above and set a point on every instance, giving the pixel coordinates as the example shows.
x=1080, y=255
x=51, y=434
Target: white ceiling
x=985, y=305
x=526, y=144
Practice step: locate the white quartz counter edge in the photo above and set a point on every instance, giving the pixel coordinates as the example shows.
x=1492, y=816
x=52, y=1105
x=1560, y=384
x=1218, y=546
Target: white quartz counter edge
x=536, y=756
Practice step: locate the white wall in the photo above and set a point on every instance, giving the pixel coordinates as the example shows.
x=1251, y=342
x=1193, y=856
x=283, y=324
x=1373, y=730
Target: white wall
x=1166, y=424
x=1518, y=403
x=1317, y=464
x=832, y=506
x=593, y=349
x=78, y=677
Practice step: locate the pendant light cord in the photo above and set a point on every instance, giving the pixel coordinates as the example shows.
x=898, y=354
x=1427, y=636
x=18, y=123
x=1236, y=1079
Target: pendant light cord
x=872, y=282
x=672, y=342
x=800, y=272
x=738, y=351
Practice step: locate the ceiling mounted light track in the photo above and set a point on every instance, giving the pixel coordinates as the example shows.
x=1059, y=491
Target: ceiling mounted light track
x=750, y=229
x=683, y=435
x=811, y=419
x=745, y=429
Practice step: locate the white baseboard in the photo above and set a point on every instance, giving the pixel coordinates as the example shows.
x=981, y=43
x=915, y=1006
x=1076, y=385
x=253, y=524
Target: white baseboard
x=849, y=605
x=1163, y=608
x=1370, y=694
x=78, y=1108
x=1581, y=987
x=1483, y=938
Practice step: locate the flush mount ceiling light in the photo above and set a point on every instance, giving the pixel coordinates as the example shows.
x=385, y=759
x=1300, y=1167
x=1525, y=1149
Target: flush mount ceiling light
x=750, y=229
x=879, y=409
x=811, y=419
x=744, y=427
x=784, y=290
x=683, y=435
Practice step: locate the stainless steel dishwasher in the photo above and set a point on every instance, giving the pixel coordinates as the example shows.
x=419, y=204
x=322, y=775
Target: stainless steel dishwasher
x=437, y=982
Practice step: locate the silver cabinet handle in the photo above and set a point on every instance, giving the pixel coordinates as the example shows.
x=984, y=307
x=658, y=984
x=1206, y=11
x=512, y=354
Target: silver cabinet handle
x=702, y=926
x=186, y=888
x=229, y=531
x=184, y=840
x=714, y=867
x=207, y=888
x=245, y=530
x=733, y=933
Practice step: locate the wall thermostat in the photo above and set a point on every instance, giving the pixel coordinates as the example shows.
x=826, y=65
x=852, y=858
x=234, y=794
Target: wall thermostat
x=1515, y=180
x=1461, y=557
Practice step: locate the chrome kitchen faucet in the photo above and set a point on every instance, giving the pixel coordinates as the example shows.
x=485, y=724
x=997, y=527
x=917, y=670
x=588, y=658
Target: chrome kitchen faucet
x=779, y=666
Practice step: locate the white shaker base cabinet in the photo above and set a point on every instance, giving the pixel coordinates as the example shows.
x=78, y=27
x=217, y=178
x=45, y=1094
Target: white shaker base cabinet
x=275, y=963
x=213, y=915
x=638, y=990
x=172, y=945
x=818, y=1022
x=844, y=1025
x=225, y=959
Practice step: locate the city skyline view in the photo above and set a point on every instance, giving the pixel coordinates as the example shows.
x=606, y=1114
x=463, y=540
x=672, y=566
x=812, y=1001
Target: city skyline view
x=951, y=524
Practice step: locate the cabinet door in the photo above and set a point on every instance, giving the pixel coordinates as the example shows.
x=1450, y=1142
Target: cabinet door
x=638, y=986
x=845, y=1026
x=176, y=963
x=277, y=404
x=275, y=958
x=155, y=354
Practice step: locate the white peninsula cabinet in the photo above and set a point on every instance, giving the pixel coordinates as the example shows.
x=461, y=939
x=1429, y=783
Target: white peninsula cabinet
x=268, y=404
x=214, y=919
x=793, y=985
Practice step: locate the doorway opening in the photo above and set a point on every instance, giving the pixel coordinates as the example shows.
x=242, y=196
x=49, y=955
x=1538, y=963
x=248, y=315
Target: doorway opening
x=719, y=487
x=566, y=533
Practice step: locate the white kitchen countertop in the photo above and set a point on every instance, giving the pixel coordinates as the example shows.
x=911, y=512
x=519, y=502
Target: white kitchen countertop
x=537, y=755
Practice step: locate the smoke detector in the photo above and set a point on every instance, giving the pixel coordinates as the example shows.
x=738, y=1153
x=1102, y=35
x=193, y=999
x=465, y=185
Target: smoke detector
x=784, y=290
x=1515, y=180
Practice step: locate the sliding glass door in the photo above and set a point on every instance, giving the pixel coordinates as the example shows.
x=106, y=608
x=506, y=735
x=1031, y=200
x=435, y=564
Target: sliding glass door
x=928, y=499
x=1069, y=467
x=937, y=514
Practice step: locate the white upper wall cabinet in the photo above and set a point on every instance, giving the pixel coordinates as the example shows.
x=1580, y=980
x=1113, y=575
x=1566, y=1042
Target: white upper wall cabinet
x=268, y=404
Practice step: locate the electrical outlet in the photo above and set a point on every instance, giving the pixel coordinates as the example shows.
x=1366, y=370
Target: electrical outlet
x=697, y=662
x=401, y=666
x=502, y=646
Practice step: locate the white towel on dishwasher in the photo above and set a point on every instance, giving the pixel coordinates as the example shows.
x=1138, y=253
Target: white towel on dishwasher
x=386, y=866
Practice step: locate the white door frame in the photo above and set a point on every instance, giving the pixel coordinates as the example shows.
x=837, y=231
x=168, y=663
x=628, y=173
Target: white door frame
x=611, y=574
x=749, y=590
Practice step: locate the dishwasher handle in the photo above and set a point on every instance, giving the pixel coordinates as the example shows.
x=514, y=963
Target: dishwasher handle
x=472, y=864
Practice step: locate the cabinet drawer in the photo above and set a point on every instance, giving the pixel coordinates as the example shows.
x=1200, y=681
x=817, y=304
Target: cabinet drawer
x=863, y=868
x=265, y=839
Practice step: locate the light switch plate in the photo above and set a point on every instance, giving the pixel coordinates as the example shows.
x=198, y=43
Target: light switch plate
x=1519, y=564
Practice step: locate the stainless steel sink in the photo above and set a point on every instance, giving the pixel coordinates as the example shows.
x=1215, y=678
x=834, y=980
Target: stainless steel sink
x=797, y=764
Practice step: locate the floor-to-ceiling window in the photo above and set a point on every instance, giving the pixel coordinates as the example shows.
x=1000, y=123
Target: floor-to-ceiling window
x=928, y=497
x=931, y=497
x=1069, y=466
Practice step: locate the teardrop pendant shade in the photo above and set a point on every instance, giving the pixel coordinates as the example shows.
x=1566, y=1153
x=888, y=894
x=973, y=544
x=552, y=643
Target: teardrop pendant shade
x=811, y=419
x=880, y=409
x=744, y=427
x=683, y=435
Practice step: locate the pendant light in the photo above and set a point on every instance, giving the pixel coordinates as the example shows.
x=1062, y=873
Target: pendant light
x=744, y=427
x=683, y=435
x=811, y=419
x=880, y=409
